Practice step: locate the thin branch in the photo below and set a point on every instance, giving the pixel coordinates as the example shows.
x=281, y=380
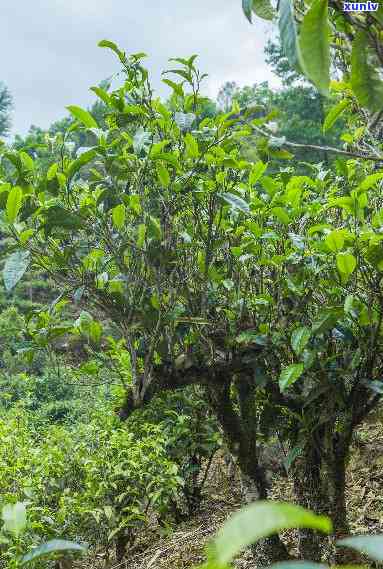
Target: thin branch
x=322, y=148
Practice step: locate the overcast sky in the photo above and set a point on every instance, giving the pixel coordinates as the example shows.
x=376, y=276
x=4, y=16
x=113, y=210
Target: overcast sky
x=50, y=58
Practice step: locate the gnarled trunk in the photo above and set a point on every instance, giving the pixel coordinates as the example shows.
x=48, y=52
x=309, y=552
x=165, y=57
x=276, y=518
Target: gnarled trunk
x=240, y=430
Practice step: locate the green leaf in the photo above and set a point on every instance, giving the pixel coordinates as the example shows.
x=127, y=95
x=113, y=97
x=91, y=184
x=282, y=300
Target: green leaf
x=346, y=264
x=370, y=181
x=236, y=202
x=118, y=216
x=103, y=95
x=53, y=546
x=14, y=268
x=247, y=6
x=14, y=201
x=191, y=145
x=365, y=81
x=325, y=321
x=163, y=175
x=289, y=375
x=288, y=33
x=263, y=9
x=259, y=520
x=77, y=164
x=177, y=87
x=14, y=517
x=281, y=214
x=141, y=140
x=141, y=234
x=314, y=45
x=154, y=228
x=371, y=545
x=83, y=116
x=256, y=172
x=57, y=216
x=335, y=241
x=334, y=113
x=299, y=339
x=111, y=45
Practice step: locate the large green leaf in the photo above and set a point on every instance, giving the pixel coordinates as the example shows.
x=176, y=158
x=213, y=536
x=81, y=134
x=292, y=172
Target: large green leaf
x=14, y=517
x=14, y=201
x=14, y=268
x=53, y=546
x=299, y=339
x=236, y=202
x=371, y=545
x=370, y=181
x=288, y=32
x=365, y=81
x=335, y=241
x=346, y=264
x=315, y=46
x=289, y=375
x=83, y=116
x=85, y=158
x=260, y=520
x=118, y=216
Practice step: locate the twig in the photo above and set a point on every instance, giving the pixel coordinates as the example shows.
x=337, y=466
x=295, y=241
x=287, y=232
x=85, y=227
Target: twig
x=322, y=148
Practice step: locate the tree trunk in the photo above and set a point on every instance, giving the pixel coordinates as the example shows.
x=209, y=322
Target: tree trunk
x=240, y=430
x=308, y=490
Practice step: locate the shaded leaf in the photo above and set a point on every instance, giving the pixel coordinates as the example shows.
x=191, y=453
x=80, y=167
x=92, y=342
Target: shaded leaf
x=365, y=81
x=288, y=32
x=314, y=45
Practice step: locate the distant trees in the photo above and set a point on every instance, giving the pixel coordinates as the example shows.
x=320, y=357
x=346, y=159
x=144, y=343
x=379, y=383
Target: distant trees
x=5, y=108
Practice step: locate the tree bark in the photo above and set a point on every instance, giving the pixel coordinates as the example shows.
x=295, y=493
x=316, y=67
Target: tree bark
x=240, y=430
x=308, y=490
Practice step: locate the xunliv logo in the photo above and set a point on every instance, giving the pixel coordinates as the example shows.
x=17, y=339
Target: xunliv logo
x=360, y=6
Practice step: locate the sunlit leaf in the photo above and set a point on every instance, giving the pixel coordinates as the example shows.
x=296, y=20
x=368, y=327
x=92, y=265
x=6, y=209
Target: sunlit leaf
x=371, y=545
x=14, y=201
x=54, y=546
x=83, y=116
x=289, y=375
x=14, y=517
x=260, y=520
x=14, y=268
